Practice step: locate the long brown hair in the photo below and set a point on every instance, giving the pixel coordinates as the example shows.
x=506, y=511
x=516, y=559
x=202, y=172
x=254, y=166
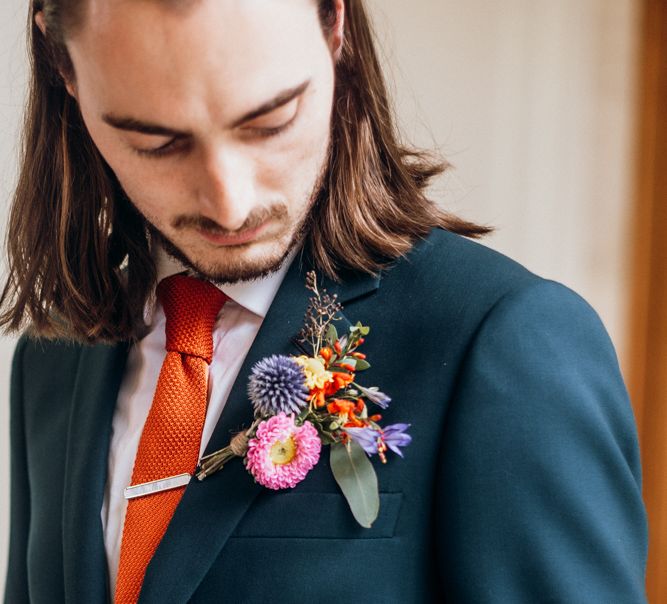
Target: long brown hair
x=79, y=257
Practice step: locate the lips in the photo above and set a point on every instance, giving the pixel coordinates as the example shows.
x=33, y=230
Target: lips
x=235, y=239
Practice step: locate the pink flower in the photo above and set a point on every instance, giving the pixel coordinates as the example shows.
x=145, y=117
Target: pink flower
x=282, y=453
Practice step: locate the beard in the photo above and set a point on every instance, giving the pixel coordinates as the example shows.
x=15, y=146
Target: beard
x=236, y=268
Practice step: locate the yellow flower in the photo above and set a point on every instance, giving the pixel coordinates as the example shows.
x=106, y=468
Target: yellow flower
x=316, y=374
x=283, y=451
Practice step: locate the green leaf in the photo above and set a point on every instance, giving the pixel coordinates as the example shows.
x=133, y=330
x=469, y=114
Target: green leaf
x=349, y=360
x=356, y=477
x=332, y=334
x=361, y=365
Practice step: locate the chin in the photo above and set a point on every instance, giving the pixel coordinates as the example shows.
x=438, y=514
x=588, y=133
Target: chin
x=233, y=264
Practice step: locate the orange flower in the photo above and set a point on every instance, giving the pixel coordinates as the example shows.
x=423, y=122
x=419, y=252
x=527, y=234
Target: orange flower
x=340, y=380
x=340, y=406
x=326, y=353
x=354, y=422
x=317, y=396
x=346, y=410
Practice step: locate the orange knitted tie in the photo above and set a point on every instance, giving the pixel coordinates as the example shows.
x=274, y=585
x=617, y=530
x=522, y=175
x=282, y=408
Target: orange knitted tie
x=171, y=437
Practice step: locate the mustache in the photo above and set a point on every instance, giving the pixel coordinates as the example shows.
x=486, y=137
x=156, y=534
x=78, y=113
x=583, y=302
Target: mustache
x=255, y=219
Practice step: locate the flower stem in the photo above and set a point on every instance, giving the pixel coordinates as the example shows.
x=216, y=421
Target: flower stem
x=238, y=446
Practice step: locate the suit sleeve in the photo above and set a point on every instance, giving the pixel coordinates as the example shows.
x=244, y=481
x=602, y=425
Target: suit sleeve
x=539, y=485
x=16, y=586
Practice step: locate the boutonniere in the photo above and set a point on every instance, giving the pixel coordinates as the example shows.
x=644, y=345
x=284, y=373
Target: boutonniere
x=304, y=402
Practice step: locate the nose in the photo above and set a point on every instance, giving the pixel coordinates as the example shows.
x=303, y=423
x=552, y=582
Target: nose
x=226, y=187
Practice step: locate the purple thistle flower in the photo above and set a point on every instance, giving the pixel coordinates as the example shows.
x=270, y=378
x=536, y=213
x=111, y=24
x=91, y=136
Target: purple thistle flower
x=375, y=396
x=393, y=436
x=277, y=385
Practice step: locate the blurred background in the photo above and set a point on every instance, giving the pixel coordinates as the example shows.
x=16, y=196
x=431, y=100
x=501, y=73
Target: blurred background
x=554, y=116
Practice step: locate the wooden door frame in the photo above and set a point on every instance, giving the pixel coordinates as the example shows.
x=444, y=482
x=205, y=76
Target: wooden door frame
x=648, y=346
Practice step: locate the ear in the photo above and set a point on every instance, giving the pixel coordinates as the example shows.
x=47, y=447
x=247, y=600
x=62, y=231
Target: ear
x=69, y=86
x=337, y=35
x=41, y=24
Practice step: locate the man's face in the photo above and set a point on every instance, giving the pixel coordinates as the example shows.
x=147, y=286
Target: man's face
x=215, y=119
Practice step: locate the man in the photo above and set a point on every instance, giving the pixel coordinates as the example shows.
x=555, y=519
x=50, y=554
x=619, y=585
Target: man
x=246, y=142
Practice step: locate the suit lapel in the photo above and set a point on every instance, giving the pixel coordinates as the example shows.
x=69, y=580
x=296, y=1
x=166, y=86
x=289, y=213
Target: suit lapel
x=93, y=401
x=210, y=510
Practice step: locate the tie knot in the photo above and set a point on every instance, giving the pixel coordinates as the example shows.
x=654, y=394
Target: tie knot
x=191, y=307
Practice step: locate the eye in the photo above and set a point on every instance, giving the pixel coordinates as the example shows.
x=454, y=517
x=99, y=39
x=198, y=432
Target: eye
x=274, y=122
x=172, y=146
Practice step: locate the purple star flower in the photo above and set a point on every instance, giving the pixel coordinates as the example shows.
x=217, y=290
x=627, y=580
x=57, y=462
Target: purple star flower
x=366, y=437
x=375, y=396
x=393, y=436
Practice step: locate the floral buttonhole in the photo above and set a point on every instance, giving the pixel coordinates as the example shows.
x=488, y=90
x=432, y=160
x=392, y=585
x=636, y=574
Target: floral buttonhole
x=302, y=403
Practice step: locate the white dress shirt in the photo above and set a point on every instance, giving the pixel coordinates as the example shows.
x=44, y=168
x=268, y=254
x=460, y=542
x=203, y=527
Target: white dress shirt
x=234, y=332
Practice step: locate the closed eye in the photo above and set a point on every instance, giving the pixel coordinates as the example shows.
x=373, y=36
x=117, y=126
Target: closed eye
x=268, y=125
x=173, y=145
x=274, y=122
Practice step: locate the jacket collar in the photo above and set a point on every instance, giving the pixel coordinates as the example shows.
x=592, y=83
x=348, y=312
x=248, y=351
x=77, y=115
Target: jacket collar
x=94, y=396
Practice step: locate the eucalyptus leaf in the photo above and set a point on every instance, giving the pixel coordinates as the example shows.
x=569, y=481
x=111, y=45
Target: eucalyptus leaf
x=349, y=361
x=356, y=478
x=361, y=365
x=332, y=334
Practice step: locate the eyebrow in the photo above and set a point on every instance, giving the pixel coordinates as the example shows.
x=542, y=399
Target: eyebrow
x=135, y=125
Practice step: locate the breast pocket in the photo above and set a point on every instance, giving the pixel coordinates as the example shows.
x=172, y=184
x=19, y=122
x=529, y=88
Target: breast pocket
x=306, y=515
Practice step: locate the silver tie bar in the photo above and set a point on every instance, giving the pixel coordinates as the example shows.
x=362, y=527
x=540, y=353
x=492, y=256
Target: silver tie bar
x=156, y=486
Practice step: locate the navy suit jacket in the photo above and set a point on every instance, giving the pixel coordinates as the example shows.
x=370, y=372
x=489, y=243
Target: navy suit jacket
x=521, y=485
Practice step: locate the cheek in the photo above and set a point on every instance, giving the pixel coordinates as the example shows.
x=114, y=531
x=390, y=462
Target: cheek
x=149, y=190
x=289, y=176
x=153, y=193
x=154, y=196
x=297, y=166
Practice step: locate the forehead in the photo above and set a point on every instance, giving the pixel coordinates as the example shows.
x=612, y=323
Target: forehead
x=140, y=51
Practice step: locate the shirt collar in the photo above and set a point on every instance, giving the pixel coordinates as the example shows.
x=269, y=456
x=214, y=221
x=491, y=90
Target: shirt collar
x=255, y=296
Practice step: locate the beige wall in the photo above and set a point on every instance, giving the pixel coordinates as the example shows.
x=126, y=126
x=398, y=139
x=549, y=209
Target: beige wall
x=530, y=99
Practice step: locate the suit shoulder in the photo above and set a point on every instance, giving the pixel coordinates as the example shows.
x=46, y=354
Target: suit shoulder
x=447, y=266
x=443, y=249
x=31, y=349
x=42, y=364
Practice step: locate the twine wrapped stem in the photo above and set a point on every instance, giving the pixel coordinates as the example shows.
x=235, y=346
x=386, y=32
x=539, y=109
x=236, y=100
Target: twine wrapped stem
x=237, y=447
